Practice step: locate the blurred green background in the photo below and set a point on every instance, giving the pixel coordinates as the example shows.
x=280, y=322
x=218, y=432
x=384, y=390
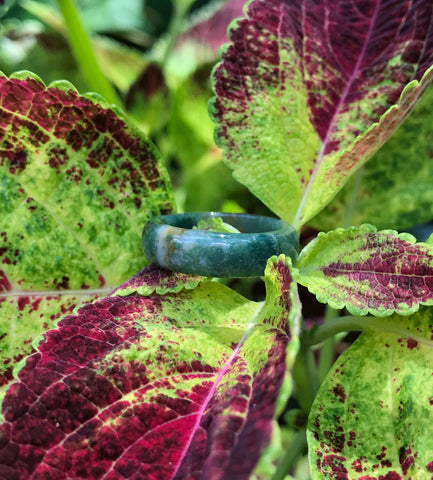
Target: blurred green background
x=158, y=55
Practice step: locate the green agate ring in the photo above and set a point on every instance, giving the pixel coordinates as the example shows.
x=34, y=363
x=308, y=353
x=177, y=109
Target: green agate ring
x=170, y=242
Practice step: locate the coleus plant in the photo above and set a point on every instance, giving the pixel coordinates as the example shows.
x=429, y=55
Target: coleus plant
x=176, y=376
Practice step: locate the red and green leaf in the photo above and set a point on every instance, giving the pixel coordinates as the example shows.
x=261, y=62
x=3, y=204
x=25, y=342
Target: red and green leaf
x=162, y=386
x=373, y=415
x=368, y=271
x=307, y=91
x=208, y=29
x=23, y=318
x=398, y=176
x=77, y=185
x=156, y=280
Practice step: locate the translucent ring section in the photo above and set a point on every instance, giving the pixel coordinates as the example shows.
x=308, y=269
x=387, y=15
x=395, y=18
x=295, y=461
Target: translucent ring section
x=171, y=242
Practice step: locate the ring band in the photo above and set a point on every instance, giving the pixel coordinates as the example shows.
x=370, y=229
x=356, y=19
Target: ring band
x=170, y=242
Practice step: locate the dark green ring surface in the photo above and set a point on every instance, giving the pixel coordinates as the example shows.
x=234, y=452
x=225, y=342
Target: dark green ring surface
x=170, y=242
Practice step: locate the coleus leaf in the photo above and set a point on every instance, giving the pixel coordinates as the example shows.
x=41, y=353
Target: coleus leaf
x=398, y=176
x=368, y=271
x=373, y=415
x=156, y=280
x=203, y=34
x=23, y=318
x=77, y=185
x=208, y=27
x=308, y=90
x=165, y=386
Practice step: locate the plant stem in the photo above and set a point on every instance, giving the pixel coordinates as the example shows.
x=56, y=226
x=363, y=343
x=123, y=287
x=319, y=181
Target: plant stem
x=347, y=220
x=305, y=377
x=296, y=448
x=82, y=48
x=328, y=348
x=173, y=32
x=341, y=324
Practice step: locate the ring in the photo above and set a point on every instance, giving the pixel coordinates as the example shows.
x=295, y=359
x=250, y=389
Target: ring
x=170, y=242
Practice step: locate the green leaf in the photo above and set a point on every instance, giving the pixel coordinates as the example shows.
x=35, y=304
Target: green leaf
x=77, y=185
x=398, y=176
x=120, y=64
x=5, y=5
x=183, y=5
x=302, y=102
x=368, y=271
x=204, y=180
x=373, y=415
x=215, y=224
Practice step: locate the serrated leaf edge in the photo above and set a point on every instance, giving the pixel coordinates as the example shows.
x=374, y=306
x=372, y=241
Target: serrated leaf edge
x=403, y=309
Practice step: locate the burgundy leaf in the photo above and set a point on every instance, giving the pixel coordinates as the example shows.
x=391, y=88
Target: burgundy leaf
x=211, y=31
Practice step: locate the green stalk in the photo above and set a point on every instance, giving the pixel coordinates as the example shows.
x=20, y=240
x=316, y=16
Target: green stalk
x=82, y=49
x=173, y=32
x=328, y=347
x=305, y=377
x=295, y=450
x=347, y=221
x=341, y=324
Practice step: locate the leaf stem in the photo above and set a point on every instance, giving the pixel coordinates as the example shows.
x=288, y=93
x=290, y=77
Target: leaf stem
x=327, y=351
x=174, y=30
x=57, y=293
x=340, y=324
x=296, y=448
x=348, y=214
x=82, y=49
x=305, y=377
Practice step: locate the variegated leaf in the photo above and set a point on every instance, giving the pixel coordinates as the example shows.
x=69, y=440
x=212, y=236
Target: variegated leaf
x=165, y=387
x=308, y=90
x=77, y=185
x=373, y=415
x=398, y=176
x=368, y=271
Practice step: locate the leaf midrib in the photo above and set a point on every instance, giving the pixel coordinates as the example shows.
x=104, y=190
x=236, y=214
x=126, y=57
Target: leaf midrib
x=298, y=219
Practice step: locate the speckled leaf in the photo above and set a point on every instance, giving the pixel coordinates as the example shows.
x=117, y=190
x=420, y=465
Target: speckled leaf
x=22, y=319
x=156, y=280
x=373, y=416
x=166, y=386
x=399, y=176
x=77, y=184
x=368, y=271
x=308, y=90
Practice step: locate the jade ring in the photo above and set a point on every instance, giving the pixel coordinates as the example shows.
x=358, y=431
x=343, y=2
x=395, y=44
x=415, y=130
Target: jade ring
x=171, y=242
